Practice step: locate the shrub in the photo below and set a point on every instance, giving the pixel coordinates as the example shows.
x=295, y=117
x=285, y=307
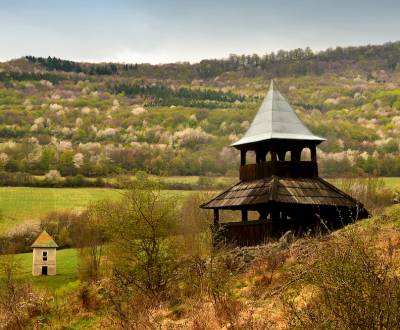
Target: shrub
x=144, y=254
x=369, y=191
x=347, y=284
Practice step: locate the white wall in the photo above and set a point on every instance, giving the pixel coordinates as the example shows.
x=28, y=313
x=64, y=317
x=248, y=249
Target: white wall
x=38, y=261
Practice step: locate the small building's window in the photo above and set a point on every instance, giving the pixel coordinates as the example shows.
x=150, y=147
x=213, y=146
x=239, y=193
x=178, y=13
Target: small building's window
x=44, y=255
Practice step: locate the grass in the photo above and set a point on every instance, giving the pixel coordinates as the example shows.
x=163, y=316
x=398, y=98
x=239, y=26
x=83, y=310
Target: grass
x=20, y=205
x=67, y=270
x=392, y=182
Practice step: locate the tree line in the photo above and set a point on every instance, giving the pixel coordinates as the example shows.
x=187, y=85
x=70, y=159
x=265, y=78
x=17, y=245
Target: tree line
x=295, y=62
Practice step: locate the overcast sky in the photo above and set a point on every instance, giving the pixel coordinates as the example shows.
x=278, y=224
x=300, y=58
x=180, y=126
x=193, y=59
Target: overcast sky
x=156, y=31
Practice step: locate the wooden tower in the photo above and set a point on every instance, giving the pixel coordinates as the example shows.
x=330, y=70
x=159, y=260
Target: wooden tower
x=283, y=185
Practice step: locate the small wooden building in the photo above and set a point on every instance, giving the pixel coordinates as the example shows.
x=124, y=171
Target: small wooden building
x=282, y=186
x=44, y=255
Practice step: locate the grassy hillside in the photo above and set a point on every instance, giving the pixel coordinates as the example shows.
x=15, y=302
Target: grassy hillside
x=179, y=119
x=268, y=287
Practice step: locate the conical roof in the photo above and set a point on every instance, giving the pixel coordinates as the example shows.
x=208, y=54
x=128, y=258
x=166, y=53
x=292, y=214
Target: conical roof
x=276, y=120
x=44, y=241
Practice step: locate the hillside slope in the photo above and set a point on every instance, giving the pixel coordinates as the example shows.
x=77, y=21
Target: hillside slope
x=179, y=119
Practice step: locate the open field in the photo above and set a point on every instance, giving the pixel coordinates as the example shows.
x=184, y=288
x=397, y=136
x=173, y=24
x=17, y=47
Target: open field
x=392, y=182
x=67, y=263
x=26, y=205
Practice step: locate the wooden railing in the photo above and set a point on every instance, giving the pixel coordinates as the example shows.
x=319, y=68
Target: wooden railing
x=290, y=169
x=254, y=232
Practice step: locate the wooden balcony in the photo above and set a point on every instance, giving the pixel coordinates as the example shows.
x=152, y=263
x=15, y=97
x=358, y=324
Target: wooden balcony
x=289, y=169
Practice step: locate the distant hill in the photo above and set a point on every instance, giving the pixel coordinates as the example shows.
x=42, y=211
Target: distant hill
x=109, y=119
x=297, y=62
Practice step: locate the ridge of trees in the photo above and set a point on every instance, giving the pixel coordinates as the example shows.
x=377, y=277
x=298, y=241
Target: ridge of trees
x=283, y=62
x=164, y=95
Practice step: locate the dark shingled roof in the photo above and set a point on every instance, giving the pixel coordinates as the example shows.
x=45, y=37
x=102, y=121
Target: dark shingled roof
x=310, y=191
x=44, y=241
x=276, y=120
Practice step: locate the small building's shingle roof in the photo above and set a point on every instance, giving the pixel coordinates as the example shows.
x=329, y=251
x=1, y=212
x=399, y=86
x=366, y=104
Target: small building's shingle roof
x=307, y=191
x=276, y=120
x=44, y=241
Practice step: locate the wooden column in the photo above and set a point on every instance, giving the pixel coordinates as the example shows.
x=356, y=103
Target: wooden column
x=244, y=216
x=275, y=223
x=295, y=154
x=243, y=157
x=258, y=156
x=264, y=155
x=216, y=217
x=313, y=150
x=281, y=155
x=273, y=154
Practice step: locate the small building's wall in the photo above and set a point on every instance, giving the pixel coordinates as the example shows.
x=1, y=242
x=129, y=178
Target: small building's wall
x=38, y=261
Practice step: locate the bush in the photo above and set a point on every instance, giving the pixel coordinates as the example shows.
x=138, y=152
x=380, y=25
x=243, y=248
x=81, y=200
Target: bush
x=369, y=191
x=19, y=179
x=347, y=284
x=144, y=254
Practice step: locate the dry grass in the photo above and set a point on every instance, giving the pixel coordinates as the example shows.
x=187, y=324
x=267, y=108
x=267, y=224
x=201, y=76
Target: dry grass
x=372, y=192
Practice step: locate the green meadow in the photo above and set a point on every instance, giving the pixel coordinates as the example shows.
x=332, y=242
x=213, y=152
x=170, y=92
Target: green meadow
x=392, y=182
x=20, y=205
x=67, y=270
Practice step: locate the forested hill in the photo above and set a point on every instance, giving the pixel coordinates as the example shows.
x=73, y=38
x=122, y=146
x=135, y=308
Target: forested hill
x=295, y=62
x=59, y=117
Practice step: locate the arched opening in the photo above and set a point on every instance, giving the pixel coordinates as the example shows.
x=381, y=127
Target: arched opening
x=305, y=155
x=251, y=157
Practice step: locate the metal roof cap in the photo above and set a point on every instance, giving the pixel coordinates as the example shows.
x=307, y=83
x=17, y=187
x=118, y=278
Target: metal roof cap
x=276, y=119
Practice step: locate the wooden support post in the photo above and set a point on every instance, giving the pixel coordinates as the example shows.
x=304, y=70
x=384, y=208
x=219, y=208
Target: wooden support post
x=264, y=155
x=275, y=223
x=243, y=157
x=313, y=150
x=281, y=155
x=295, y=155
x=244, y=216
x=216, y=217
x=273, y=155
x=275, y=214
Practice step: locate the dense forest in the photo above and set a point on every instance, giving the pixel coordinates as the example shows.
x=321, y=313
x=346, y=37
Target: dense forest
x=64, y=118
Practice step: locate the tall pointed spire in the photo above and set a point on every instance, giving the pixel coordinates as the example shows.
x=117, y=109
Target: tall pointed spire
x=276, y=120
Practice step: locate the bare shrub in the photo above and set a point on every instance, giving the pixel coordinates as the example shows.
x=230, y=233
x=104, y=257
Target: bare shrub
x=130, y=309
x=143, y=252
x=266, y=266
x=348, y=284
x=194, y=224
x=90, y=240
x=18, y=303
x=64, y=226
x=369, y=191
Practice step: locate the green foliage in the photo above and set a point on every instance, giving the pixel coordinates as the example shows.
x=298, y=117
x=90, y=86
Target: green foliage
x=177, y=119
x=144, y=256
